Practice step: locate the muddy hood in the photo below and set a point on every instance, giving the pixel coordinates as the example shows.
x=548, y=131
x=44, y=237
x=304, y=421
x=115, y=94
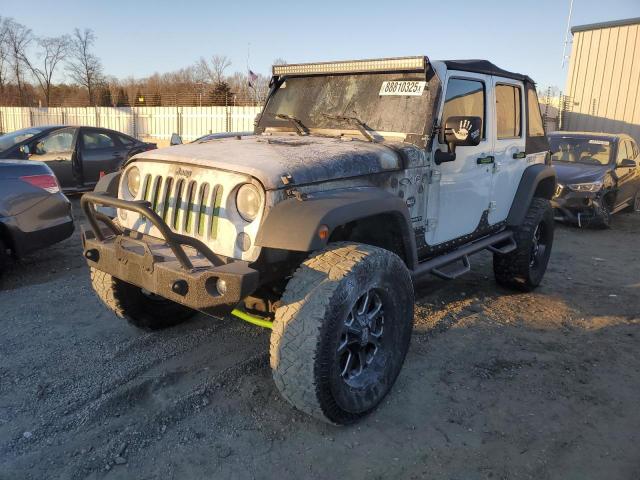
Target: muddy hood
x=306, y=159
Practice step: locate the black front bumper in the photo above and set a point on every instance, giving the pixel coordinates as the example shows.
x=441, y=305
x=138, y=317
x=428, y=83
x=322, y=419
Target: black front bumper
x=176, y=267
x=576, y=207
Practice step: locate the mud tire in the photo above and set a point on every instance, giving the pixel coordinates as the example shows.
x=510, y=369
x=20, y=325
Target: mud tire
x=306, y=335
x=515, y=270
x=140, y=309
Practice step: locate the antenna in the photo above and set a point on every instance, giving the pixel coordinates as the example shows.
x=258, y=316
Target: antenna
x=566, y=35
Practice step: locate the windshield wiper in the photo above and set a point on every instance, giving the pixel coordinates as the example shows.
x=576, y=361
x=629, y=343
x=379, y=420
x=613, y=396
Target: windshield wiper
x=362, y=128
x=297, y=124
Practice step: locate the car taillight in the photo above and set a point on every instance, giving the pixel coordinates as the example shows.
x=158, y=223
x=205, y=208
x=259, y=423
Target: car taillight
x=46, y=182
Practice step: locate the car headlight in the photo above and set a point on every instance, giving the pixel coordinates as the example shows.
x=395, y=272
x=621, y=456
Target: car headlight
x=586, y=187
x=133, y=181
x=248, y=202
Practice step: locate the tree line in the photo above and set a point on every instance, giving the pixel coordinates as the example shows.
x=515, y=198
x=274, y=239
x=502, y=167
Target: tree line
x=65, y=71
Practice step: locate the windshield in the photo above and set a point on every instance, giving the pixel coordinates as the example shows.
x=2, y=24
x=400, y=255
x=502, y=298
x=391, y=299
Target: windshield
x=590, y=151
x=387, y=104
x=10, y=139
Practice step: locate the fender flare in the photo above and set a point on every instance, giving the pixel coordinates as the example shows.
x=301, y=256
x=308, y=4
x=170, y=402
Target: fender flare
x=532, y=178
x=108, y=184
x=293, y=224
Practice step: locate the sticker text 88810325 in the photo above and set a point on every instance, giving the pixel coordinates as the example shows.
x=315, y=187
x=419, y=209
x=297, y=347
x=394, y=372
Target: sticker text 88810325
x=403, y=87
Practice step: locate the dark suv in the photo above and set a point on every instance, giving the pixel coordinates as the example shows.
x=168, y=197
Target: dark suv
x=598, y=175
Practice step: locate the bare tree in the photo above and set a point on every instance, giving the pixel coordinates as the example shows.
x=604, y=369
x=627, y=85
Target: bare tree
x=17, y=38
x=53, y=50
x=84, y=68
x=4, y=54
x=279, y=61
x=213, y=70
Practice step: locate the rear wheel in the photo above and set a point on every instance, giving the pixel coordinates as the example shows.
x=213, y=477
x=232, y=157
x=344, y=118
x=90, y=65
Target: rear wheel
x=340, y=336
x=523, y=268
x=139, y=307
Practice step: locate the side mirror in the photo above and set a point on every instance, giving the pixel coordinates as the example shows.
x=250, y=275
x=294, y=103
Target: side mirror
x=175, y=140
x=458, y=131
x=25, y=149
x=627, y=163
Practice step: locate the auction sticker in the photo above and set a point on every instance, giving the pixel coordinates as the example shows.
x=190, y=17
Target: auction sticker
x=403, y=87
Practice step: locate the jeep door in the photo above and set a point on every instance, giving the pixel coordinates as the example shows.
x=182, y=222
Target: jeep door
x=100, y=152
x=58, y=151
x=460, y=190
x=506, y=108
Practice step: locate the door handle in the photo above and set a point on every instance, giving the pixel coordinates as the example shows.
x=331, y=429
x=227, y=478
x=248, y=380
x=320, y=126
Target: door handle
x=485, y=160
x=518, y=155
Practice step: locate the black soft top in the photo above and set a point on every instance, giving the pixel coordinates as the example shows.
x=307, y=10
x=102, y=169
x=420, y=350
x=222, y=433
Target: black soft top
x=485, y=67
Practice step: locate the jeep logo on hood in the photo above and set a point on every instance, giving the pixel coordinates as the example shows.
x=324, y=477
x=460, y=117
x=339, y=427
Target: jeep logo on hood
x=183, y=172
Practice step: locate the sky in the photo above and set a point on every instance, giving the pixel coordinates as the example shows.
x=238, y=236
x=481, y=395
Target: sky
x=140, y=37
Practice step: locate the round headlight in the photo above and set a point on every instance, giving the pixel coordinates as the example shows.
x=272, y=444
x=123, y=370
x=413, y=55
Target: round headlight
x=248, y=202
x=133, y=181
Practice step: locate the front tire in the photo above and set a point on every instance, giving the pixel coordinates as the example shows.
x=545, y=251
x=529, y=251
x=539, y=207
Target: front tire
x=142, y=310
x=523, y=268
x=341, y=335
x=602, y=215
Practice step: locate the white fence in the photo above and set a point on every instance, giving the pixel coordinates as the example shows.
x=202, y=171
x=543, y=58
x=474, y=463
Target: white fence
x=141, y=122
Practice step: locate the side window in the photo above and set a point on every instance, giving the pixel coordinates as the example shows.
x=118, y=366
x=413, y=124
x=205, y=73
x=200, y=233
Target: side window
x=536, y=129
x=464, y=98
x=125, y=140
x=58, y=142
x=95, y=140
x=508, y=105
x=635, y=149
x=622, y=151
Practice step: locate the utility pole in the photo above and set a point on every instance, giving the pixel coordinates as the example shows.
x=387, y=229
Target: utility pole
x=566, y=35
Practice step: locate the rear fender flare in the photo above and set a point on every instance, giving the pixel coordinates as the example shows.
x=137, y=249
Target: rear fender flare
x=537, y=180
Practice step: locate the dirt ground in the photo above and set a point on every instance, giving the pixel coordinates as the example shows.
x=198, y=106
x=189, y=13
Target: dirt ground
x=496, y=385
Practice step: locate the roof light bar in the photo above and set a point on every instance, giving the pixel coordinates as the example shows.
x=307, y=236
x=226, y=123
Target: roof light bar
x=353, y=66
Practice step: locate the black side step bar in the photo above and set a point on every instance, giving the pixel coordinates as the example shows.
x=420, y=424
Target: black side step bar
x=500, y=243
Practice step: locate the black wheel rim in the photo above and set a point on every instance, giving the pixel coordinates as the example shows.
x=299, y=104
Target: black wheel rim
x=539, y=245
x=360, y=343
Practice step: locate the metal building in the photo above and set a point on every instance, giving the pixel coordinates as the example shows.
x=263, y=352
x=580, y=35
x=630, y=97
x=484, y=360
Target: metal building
x=603, y=81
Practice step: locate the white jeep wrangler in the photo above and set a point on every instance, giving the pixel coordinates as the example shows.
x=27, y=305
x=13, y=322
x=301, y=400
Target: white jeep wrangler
x=361, y=178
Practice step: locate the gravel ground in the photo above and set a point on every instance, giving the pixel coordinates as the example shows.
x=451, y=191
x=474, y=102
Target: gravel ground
x=496, y=385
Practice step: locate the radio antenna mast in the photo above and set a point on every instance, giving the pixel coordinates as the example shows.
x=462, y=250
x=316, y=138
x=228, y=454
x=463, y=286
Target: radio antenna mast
x=566, y=35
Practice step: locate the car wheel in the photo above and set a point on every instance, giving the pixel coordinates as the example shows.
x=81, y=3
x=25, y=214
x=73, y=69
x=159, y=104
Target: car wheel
x=340, y=337
x=602, y=215
x=523, y=268
x=140, y=308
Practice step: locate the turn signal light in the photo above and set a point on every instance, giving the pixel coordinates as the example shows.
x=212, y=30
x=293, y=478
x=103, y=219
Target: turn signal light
x=323, y=232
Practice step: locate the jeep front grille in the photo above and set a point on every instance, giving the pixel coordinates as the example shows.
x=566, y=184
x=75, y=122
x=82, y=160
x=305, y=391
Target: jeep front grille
x=187, y=206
